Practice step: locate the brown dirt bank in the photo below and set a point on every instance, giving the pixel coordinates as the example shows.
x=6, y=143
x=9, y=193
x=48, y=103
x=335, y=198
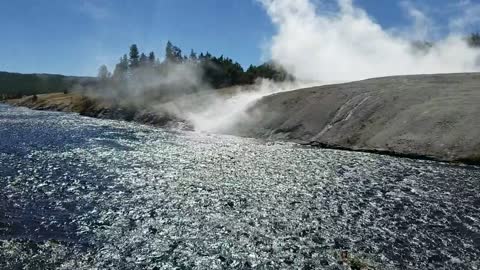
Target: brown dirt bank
x=428, y=116
x=98, y=108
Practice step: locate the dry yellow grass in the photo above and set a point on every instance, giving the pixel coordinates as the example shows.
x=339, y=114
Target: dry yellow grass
x=71, y=102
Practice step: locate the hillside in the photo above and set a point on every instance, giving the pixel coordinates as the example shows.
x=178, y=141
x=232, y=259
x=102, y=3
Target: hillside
x=14, y=85
x=433, y=116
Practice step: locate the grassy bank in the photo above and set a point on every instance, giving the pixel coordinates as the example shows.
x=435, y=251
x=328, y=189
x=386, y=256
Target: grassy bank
x=92, y=107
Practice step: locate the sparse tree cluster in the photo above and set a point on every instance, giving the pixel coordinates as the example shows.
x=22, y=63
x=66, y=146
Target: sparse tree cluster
x=103, y=73
x=217, y=71
x=474, y=40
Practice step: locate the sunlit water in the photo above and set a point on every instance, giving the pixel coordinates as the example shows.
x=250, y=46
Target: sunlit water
x=82, y=193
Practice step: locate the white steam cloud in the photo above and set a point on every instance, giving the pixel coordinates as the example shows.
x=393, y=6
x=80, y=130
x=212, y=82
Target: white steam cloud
x=317, y=47
x=222, y=113
x=349, y=45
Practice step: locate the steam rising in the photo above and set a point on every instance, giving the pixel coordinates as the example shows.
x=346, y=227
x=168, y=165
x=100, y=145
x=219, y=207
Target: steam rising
x=146, y=87
x=348, y=45
x=223, y=112
x=315, y=46
x=342, y=46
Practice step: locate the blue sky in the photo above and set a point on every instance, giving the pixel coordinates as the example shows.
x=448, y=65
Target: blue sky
x=74, y=37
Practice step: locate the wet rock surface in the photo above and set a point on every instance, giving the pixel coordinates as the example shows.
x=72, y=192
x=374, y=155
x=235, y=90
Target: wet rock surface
x=81, y=193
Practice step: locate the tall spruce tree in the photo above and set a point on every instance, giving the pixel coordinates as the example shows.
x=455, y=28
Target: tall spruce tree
x=151, y=58
x=173, y=53
x=143, y=60
x=134, y=56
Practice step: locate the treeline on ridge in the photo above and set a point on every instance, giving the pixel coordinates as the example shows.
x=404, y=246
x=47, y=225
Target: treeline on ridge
x=16, y=85
x=218, y=72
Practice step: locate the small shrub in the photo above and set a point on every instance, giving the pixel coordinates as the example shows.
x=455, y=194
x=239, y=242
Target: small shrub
x=357, y=264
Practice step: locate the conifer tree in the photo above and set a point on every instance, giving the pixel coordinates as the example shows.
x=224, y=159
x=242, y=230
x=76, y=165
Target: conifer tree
x=103, y=73
x=193, y=55
x=173, y=53
x=143, y=60
x=151, y=58
x=134, y=56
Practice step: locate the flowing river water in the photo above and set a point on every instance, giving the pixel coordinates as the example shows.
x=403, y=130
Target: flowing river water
x=84, y=193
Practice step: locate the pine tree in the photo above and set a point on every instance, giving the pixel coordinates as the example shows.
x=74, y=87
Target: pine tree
x=134, y=56
x=143, y=60
x=193, y=55
x=173, y=53
x=169, y=51
x=151, y=58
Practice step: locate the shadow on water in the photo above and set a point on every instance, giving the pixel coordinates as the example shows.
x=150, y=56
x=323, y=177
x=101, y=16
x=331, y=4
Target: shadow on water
x=43, y=195
x=21, y=134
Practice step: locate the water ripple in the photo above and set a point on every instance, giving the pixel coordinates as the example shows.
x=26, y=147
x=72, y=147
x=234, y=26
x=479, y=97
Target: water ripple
x=80, y=192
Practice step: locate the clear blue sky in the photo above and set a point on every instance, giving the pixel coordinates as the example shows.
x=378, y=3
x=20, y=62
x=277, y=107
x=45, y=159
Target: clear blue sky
x=75, y=36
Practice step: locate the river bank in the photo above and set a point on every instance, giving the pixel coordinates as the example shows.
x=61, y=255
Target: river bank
x=98, y=108
x=423, y=117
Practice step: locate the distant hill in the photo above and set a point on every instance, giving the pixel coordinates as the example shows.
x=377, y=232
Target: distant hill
x=14, y=85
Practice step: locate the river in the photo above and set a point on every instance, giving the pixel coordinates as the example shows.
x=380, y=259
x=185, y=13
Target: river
x=83, y=193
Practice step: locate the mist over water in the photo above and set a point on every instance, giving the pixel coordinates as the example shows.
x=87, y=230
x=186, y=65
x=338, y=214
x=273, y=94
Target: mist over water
x=223, y=113
x=181, y=91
